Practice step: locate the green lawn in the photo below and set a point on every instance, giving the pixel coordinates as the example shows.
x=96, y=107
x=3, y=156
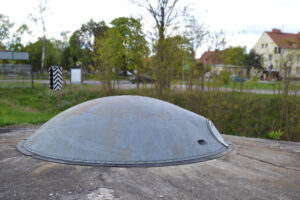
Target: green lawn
x=23, y=106
x=253, y=115
x=38, y=105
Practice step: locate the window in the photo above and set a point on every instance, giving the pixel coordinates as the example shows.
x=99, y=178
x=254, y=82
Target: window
x=298, y=58
x=298, y=70
x=275, y=50
x=262, y=45
x=279, y=50
x=270, y=57
x=266, y=45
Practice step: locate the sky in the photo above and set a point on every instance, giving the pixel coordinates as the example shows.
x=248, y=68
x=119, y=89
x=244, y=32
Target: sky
x=243, y=21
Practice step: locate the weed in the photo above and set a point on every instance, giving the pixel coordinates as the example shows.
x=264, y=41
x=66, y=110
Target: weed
x=275, y=134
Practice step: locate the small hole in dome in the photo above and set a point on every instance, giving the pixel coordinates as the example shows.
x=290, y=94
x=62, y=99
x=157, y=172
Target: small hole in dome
x=202, y=142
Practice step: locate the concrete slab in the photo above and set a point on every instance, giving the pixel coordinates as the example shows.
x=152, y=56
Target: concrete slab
x=256, y=169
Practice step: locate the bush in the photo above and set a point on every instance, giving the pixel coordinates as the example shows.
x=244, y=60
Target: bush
x=275, y=135
x=245, y=114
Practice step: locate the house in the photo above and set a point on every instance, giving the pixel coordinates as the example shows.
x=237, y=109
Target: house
x=279, y=49
x=213, y=59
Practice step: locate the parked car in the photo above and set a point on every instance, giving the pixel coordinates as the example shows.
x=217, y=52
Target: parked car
x=121, y=73
x=238, y=78
x=207, y=75
x=141, y=78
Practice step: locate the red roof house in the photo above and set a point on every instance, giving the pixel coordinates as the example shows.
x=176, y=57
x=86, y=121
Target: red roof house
x=212, y=57
x=285, y=40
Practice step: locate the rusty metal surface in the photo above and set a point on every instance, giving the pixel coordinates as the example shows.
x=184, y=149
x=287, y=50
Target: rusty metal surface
x=124, y=131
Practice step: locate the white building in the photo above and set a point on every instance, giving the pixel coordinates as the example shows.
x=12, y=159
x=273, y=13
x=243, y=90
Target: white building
x=278, y=49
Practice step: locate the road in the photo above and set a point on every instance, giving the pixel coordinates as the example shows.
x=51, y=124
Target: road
x=255, y=169
x=124, y=84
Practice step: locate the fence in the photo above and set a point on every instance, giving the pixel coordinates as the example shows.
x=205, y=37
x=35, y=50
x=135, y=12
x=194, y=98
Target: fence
x=16, y=76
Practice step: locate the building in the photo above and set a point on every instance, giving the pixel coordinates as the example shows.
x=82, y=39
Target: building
x=279, y=49
x=213, y=59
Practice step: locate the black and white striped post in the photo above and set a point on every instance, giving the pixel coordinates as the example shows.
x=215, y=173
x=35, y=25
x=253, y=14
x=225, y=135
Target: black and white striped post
x=55, y=78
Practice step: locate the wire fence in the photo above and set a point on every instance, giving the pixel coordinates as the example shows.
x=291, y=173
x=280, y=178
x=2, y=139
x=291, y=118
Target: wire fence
x=16, y=76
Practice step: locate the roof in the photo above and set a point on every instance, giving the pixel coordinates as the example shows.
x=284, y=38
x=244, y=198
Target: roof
x=212, y=57
x=285, y=40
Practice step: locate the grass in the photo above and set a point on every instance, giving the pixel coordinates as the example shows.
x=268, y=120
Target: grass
x=15, y=84
x=254, y=115
x=255, y=85
x=248, y=85
x=38, y=105
x=23, y=106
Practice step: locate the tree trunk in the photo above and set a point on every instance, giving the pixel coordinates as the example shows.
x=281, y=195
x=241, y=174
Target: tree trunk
x=43, y=54
x=286, y=102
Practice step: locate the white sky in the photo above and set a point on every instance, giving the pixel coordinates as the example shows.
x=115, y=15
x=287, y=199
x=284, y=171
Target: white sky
x=242, y=20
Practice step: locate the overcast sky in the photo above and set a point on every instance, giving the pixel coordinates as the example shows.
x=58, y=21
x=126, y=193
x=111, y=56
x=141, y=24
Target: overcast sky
x=242, y=20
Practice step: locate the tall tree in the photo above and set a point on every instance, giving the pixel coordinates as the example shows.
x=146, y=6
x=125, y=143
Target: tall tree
x=54, y=49
x=253, y=60
x=216, y=40
x=108, y=57
x=83, y=42
x=123, y=47
x=134, y=43
x=5, y=26
x=42, y=7
x=196, y=34
x=16, y=41
x=164, y=13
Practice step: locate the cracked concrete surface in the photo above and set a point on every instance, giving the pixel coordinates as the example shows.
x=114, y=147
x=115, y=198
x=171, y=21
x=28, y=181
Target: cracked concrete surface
x=256, y=169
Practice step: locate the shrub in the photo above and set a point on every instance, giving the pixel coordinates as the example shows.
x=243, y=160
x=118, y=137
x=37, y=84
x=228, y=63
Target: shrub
x=275, y=134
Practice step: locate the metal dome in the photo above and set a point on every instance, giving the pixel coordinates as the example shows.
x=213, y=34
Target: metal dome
x=126, y=131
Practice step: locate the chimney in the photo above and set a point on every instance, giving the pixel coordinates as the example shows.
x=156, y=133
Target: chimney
x=275, y=30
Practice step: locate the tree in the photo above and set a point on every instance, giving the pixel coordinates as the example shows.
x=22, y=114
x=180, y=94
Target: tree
x=75, y=47
x=236, y=56
x=108, y=57
x=90, y=31
x=54, y=53
x=253, y=60
x=16, y=42
x=224, y=77
x=164, y=13
x=287, y=59
x=5, y=26
x=42, y=7
x=122, y=47
x=135, y=47
x=83, y=42
x=66, y=59
x=216, y=40
x=195, y=34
